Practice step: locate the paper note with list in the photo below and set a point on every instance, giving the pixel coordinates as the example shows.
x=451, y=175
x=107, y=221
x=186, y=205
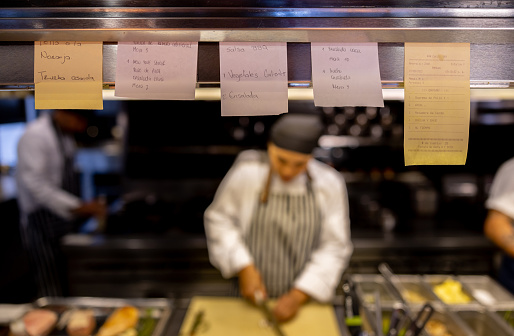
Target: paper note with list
x=346, y=74
x=437, y=105
x=253, y=78
x=156, y=70
x=68, y=75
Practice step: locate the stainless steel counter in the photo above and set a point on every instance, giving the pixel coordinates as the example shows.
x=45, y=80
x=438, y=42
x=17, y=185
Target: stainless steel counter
x=424, y=252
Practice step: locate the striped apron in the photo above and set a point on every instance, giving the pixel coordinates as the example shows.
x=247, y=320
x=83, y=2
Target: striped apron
x=284, y=230
x=44, y=231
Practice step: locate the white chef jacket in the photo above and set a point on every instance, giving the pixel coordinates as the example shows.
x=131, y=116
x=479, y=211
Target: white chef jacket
x=39, y=170
x=227, y=221
x=501, y=195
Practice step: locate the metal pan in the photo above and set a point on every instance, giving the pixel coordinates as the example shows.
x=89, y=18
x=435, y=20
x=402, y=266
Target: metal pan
x=485, y=290
x=436, y=279
x=484, y=323
x=160, y=309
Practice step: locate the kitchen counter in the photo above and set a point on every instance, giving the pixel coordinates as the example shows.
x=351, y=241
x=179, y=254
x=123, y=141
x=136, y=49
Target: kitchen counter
x=362, y=240
x=425, y=251
x=176, y=264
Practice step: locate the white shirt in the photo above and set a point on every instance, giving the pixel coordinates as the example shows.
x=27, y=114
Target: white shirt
x=501, y=195
x=228, y=218
x=39, y=170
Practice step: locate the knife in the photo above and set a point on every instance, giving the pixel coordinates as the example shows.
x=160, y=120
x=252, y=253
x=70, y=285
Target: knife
x=263, y=306
x=196, y=323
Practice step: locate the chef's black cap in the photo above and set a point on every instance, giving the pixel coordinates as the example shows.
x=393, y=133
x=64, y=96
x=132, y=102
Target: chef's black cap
x=297, y=132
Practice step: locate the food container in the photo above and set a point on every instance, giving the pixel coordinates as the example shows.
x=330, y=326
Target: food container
x=448, y=321
x=10, y=312
x=369, y=320
x=440, y=320
x=366, y=285
x=507, y=315
x=485, y=290
x=484, y=323
x=414, y=290
x=456, y=294
x=505, y=312
x=154, y=312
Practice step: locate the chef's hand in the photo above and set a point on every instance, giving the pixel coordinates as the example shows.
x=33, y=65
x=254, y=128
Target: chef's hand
x=250, y=282
x=288, y=305
x=92, y=208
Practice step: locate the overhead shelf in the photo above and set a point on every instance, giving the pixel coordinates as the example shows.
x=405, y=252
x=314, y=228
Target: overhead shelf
x=489, y=28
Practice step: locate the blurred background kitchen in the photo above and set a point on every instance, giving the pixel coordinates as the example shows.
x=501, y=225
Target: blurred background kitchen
x=158, y=163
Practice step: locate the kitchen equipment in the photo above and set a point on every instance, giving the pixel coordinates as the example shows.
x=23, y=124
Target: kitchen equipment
x=367, y=284
x=160, y=309
x=506, y=314
x=414, y=291
x=484, y=323
x=392, y=322
x=378, y=317
x=263, y=305
x=485, y=290
x=394, y=283
x=229, y=316
x=397, y=321
x=421, y=319
x=447, y=320
x=10, y=312
x=434, y=280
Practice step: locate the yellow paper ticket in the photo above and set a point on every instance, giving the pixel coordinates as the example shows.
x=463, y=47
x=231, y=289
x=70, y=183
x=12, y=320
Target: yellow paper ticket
x=68, y=75
x=437, y=103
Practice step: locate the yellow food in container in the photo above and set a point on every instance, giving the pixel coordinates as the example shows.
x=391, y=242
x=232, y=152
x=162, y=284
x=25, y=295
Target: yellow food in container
x=413, y=297
x=450, y=292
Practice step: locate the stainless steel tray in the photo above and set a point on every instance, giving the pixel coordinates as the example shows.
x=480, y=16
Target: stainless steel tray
x=436, y=279
x=454, y=325
x=507, y=315
x=367, y=284
x=485, y=323
x=485, y=290
x=418, y=292
x=161, y=309
x=449, y=320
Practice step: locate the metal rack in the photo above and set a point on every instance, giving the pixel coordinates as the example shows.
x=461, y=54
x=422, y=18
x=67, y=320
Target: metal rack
x=489, y=28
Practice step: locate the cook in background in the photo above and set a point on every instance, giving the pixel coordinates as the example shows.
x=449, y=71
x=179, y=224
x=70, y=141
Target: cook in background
x=280, y=222
x=498, y=225
x=48, y=194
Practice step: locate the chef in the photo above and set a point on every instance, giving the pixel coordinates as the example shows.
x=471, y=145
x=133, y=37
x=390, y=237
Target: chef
x=498, y=225
x=48, y=194
x=279, y=220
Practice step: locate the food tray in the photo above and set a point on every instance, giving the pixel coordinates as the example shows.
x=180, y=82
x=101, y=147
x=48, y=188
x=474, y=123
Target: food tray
x=485, y=323
x=485, y=290
x=505, y=312
x=506, y=315
x=436, y=279
x=419, y=291
x=451, y=322
x=367, y=284
x=10, y=312
x=103, y=307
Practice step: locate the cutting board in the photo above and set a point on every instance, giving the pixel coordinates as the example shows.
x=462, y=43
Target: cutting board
x=224, y=316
